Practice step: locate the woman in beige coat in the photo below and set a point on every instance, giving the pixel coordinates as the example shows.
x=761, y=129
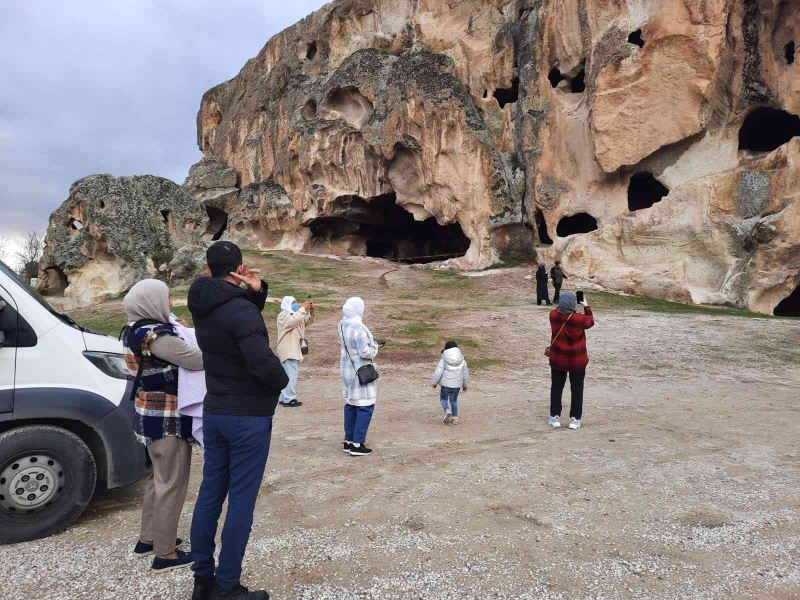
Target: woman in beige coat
x=292, y=322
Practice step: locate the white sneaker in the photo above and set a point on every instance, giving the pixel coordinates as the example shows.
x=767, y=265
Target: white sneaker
x=554, y=422
x=574, y=423
x=454, y=420
x=447, y=418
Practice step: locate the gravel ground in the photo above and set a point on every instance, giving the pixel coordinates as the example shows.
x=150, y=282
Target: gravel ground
x=683, y=483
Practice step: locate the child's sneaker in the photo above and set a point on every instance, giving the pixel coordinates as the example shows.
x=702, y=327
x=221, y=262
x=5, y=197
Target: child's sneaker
x=574, y=423
x=554, y=422
x=454, y=420
x=447, y=418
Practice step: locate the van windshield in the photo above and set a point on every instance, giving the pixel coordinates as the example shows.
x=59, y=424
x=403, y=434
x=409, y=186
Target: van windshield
x=5, y=270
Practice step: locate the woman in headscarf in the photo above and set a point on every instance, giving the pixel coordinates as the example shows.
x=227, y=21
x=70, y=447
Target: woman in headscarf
x=154, y=352
x=568, y=356
x=542, y=292
x=292, y=322
x=358, y=349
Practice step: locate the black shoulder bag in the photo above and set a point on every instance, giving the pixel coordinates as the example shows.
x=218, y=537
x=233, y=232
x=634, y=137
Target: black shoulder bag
x=367, y=373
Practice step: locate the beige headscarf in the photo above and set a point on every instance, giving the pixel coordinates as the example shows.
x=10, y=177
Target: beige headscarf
x=148, y=299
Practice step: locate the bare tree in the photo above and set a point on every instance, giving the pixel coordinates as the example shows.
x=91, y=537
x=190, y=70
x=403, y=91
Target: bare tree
x=30, y=253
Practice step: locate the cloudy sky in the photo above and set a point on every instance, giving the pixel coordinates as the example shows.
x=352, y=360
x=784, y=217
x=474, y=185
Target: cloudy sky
x=99, y=86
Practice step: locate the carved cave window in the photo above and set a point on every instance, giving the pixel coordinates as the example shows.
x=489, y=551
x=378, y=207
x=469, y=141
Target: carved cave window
x=644, y=190
x=789, y=306
x=766, y=129
x=577, y=223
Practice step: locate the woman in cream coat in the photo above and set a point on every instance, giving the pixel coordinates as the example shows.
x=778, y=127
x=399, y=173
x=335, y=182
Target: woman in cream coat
x=292, y=322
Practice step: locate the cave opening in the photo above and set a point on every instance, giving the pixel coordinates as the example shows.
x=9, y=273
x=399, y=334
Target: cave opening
x=165, y=216
x=636, y=38
x=577, y=223
x=508, y=95
x=644, y=190
x=541, y=228
x=55, y=282
x=388, y=231
x=310, y=109
x=789, y=306
x=217, y=222
x=555, y=77
x=75, y=224
x=789, y=51
x=311, y=51
x=766, y=129
x=578, y=83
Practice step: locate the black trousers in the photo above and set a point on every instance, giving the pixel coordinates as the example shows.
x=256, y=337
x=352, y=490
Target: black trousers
x=557, y=295
x=542, y=295
x=558, y=380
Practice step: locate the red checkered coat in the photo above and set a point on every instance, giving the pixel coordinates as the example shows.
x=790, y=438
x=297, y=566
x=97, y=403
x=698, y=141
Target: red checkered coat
x=568, y=352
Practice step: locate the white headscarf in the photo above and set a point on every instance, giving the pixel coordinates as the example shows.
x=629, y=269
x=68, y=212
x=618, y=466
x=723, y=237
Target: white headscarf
x=286, y=303
x=353, y=310
x=148, y=299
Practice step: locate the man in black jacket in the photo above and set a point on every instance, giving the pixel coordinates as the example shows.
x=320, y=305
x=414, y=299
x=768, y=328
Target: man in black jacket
x=558, y=277
x=243, y=378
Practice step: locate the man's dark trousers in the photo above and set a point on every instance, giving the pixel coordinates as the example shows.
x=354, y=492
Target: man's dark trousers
x=557, y=287
x=236, y=449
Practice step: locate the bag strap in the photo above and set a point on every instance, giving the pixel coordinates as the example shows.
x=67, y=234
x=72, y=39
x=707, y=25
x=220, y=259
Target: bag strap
x=344, y=343
x=559, y=331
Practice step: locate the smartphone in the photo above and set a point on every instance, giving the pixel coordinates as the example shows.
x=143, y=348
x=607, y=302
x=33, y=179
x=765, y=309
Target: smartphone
x=579, y=296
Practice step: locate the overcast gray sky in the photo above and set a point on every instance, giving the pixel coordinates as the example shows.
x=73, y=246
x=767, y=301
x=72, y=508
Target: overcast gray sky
x=113, y=86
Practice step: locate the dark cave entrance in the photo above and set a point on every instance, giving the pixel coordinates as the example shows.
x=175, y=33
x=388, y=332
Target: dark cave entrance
x=789, y=306
x=636, y=38
x=577, y=84
x=555, y=77
x=789, y=53
x=541, y=228
x=389, y=231
x=311, y=51
x=217, y=222
x=644, y=190
x=55, y=282
x=578, y=223
x=766, y=129
x=508, y=95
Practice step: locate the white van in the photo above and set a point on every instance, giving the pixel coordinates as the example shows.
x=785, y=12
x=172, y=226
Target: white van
x=65, y=415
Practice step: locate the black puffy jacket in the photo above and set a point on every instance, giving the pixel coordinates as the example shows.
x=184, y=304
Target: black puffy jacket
x=243, y=376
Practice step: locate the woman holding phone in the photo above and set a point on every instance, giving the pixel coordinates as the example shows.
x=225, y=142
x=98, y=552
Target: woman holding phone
x=568, y=355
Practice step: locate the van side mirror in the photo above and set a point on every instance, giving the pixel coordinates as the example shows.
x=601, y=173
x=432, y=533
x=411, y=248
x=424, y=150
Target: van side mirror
x=2, y=305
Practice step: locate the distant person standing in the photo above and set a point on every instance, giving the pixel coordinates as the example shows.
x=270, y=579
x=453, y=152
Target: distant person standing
x=568, y=356
x=359, y=349
x=292, y=345
x=542, y=293
x=558, y=277
x=244, y=379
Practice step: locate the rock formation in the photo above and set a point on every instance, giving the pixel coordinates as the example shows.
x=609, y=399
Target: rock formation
x=113, y=231
x=649, y=144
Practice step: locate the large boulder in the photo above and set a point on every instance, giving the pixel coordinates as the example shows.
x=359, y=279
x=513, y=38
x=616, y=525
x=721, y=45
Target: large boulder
x=647, y=144
x=112, y=231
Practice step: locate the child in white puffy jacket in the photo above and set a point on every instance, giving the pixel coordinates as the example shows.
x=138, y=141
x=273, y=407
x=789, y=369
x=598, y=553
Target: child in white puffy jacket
x=452, y=373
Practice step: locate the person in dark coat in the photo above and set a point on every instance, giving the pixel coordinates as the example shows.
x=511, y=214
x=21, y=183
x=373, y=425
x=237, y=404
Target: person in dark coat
x=244, y=379
x=568, y=356
x=557, y=276
x=542, y=293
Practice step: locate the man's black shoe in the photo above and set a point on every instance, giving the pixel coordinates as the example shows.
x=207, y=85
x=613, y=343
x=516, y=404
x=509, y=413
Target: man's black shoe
x=361, y=450
x=239, y=593
x=291, y=403
x=203, y=588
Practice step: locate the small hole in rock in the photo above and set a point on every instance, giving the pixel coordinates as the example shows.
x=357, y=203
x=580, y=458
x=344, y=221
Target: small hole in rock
x=485, y=94
x=789, y=49
x=75, y=224
x=165, y=216
x=555, y=77
x=541, y=228
x=636, y=38
x=508, y=95
x=311, y=50
x=578, y=223
x=310, y=109
x=789, y=306
x=578, y=83
x=102, y=204
x=217, y=222
x=766, y=129
x=644, y=190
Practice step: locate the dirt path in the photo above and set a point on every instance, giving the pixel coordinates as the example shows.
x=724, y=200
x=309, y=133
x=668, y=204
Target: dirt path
x=683, y=483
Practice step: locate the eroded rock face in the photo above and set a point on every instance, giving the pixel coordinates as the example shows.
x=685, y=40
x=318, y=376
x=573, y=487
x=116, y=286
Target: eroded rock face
x=112, y=231
x=650, y=145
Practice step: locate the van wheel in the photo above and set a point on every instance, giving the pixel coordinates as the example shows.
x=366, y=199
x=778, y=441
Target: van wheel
x=47, y=477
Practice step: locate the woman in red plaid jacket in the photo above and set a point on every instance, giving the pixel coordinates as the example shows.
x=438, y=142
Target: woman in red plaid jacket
x=568, y=356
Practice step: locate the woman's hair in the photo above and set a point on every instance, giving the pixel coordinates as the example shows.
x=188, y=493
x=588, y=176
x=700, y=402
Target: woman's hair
x=449, y=345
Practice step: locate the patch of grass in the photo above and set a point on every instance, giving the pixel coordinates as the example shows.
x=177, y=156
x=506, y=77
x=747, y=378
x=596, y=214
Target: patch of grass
x=105, y=321
x=419, y=329
x=485, y=363
x=606, y=300
x=413, y=344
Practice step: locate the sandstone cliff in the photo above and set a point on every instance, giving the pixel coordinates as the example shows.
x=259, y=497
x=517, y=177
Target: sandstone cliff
x=113, y=231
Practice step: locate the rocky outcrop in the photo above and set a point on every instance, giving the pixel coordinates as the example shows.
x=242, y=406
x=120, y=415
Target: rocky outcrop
x=650, y=145
x=112, y=231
